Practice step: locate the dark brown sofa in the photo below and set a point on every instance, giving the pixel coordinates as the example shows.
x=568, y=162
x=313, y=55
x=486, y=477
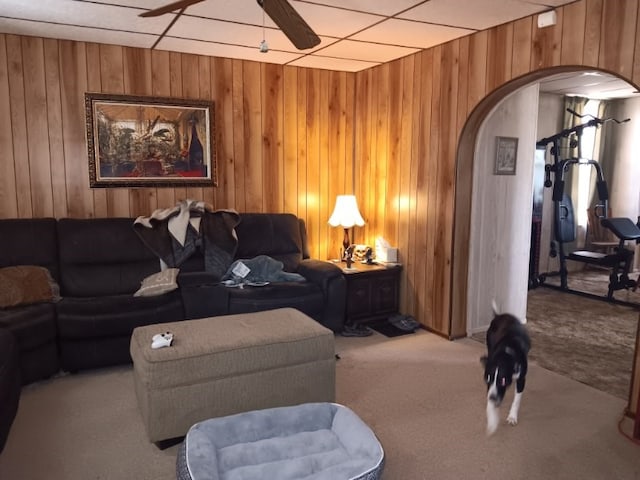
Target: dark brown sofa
x=100, y=263
x=9, y=384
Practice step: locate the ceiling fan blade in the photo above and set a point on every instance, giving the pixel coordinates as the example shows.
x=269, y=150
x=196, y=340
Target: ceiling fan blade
x=180, y=4
x=291, y=23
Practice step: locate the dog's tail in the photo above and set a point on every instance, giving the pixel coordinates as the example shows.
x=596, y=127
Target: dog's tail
x=494, y=306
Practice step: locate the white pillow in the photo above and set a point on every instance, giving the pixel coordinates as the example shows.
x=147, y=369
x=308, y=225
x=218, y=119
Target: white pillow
x=158, y=283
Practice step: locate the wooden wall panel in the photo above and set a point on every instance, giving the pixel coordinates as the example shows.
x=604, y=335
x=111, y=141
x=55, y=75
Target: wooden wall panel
x=573, y=30
x=284, y=136
x=301, y=141
x=546, y=44
x=521, y=50
x=54, y=126
x=454, y=81
x=38, y=163
x=272, y=138
x=291, y=139
x=290, y=153
x=499, y=55
x=73, y=84
x=240, y=121
x=19, y=132
x=617, y=47
x=94, y=84
x=408, y=257
x=8, y=194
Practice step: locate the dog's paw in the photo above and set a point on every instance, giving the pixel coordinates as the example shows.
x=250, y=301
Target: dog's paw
x=512, y=419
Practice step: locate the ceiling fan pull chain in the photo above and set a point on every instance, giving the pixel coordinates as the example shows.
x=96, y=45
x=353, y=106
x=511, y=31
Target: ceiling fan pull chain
x=264, y=46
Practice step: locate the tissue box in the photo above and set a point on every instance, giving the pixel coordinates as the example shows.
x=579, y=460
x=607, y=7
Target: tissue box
x=387, y=255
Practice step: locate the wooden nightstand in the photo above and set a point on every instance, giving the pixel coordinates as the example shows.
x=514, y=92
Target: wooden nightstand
x=372, y=292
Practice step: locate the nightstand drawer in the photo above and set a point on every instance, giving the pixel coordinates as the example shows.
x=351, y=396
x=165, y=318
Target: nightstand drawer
x=372, y=292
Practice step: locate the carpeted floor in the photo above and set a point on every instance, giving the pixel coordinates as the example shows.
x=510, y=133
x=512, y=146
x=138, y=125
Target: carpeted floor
x=422, y=395
x=591, y=341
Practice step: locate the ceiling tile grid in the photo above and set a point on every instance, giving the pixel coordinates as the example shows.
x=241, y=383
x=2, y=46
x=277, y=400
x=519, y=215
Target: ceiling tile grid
x=354, y=34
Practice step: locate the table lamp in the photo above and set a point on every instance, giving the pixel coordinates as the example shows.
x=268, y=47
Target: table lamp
x=346, y=215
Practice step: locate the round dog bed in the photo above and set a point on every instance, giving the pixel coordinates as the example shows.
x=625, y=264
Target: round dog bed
x=311, y=441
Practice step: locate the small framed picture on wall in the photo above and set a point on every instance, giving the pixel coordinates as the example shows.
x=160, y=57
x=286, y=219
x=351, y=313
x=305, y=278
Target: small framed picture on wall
x=506, y=156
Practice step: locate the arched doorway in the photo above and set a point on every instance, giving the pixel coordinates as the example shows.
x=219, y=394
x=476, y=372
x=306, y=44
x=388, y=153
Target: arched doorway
x=463, y=243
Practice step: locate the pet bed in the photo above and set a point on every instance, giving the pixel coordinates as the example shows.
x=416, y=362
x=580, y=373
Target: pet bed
x=311, y=441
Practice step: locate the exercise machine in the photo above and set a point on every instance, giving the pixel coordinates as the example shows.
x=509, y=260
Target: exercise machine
x=620, y=261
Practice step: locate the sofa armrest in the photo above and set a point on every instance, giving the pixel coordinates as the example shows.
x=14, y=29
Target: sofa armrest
x=330, y=279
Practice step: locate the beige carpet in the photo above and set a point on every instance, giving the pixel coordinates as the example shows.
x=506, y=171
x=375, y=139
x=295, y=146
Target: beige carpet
x=422, y=395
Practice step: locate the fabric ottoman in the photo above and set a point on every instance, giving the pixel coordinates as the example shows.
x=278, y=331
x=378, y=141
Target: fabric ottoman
x=223, y=365
x=314, y=441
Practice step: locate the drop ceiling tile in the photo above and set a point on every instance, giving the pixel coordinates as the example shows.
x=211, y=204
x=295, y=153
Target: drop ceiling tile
x=370, y=52
x=380, y=8
x=329, y=63
x=228, y=51
x=476, y=14
x=142, y=4
x=335, y=22
x=196, y=28
x=411, y=34
x=70, y=12
x=551, y=3
x=240, y=11
x=223, y=32
x=80, y=34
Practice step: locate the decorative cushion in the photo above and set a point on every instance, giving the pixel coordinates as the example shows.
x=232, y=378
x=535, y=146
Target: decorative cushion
x=26, y=285
x=158, y=283
x=315, y=441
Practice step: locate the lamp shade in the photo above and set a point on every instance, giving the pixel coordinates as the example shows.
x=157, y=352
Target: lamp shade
x=346, y=213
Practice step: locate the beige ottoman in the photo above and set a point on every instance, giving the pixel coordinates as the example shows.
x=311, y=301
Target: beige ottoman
x=229, y=364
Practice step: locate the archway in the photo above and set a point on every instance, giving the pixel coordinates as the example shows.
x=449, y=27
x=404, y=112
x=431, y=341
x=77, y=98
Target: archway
x=462, y=243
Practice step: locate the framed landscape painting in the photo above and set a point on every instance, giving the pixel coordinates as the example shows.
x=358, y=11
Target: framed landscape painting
x=135, y=141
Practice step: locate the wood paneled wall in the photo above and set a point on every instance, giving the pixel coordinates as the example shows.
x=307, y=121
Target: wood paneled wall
x=410, y=115
x=284, y=135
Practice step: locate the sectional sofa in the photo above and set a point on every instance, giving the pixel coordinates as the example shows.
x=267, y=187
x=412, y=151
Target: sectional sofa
x=98, y=264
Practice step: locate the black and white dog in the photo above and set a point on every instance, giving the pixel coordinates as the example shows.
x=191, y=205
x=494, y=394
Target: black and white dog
x=508, y=345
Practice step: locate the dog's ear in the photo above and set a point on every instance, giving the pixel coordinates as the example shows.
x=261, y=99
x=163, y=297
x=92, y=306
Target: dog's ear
x=483, y=360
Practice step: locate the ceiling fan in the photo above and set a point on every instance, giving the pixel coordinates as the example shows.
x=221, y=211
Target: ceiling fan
x=280, y=11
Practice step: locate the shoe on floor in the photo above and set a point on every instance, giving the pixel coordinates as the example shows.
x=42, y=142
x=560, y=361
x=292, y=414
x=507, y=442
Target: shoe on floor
x=356, y=331
x=404, y=322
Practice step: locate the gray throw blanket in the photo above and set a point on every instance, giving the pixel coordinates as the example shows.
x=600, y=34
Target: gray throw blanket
x=261, y=269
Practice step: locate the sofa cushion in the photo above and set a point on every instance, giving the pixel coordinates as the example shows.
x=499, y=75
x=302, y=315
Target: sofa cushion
x=31, y=325
x=277, y=235
x=29, y=241
x=115, y=315
x=26, y=285
x=102, y=256
x=34, y=330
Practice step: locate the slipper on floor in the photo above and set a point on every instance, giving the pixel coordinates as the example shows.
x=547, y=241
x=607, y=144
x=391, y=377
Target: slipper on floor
x=404, y=322
x=356, y=330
